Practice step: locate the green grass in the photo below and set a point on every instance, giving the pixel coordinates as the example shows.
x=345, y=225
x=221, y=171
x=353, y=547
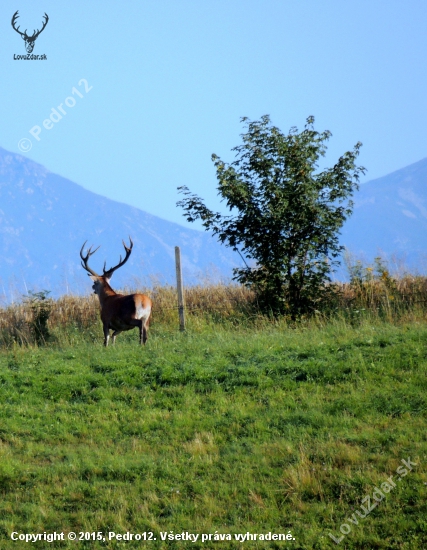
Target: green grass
x=221, y=429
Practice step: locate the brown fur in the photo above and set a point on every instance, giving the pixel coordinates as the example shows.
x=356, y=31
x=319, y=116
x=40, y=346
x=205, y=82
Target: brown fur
x=121, y=312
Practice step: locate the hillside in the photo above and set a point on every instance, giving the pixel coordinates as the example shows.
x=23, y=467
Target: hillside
x=224, y=430
x=390, y=216
x=45, y=219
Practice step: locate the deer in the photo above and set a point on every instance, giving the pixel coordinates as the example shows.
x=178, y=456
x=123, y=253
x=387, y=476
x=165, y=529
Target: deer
x=29, y=40
x=118, y=312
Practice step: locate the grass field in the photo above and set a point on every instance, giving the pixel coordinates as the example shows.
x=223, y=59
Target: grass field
x=226, y=429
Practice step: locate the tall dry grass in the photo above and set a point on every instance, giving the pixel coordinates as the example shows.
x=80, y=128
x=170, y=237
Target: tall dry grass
x=216, y=302
x=375, y=293
x=375, y=290
x=391, y=295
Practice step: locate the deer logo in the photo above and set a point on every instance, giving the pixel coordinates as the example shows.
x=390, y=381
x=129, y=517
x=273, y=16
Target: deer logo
x=29, y=40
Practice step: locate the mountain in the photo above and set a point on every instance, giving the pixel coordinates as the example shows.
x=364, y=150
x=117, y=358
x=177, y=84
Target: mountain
x=390, y=217
x=45, y=219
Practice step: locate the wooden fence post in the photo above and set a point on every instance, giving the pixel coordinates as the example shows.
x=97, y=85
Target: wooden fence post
x=180, y=288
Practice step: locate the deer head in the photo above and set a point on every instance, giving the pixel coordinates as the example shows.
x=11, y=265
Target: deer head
x=29, y=40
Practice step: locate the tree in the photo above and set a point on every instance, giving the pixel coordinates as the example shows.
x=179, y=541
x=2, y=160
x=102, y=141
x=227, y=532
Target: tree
x=285, y=216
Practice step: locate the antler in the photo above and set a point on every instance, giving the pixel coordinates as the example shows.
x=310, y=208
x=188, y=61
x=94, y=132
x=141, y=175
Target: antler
x=85, y=259
x=14, y=18
x=44, y=25
x=24, y=34
x=108, y=273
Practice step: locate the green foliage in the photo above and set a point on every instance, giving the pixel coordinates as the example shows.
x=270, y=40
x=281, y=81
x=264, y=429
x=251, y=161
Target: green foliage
x=379, y=271
x=41, y=308
x=285, y=216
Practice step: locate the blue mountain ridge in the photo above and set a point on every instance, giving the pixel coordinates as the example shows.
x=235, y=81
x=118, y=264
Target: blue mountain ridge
x=390, y=218
x=45, y=219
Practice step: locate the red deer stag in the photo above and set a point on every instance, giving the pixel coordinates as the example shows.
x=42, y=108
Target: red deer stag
x=118, y=312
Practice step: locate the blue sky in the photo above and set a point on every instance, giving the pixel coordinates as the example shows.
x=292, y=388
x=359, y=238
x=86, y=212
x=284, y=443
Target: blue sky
x=169, y=82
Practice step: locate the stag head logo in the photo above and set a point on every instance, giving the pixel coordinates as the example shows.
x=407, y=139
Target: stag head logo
x=29, y=40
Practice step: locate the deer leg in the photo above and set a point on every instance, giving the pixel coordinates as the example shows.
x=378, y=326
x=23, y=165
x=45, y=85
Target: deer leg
x=140, y=325
x=145, y=332
x=106, y=335
x=115, y=333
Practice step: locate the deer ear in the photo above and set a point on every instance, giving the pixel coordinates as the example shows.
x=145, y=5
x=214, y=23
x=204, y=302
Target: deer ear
x=92, y=277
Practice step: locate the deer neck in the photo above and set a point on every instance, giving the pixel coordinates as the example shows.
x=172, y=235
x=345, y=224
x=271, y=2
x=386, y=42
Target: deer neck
x=105, y=292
